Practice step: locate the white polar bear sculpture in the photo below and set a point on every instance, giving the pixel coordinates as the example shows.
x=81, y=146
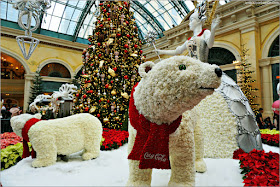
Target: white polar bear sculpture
x=170, y=88
x=63, y=136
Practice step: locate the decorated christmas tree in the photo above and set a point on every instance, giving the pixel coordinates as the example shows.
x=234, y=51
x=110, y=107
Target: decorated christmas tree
x=110, y=66
x=245, y=79
x=36, y=88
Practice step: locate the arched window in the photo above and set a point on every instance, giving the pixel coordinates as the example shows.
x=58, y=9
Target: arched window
x=55, y=70
x=11, y=68
x=274, y=48
x=221, y=56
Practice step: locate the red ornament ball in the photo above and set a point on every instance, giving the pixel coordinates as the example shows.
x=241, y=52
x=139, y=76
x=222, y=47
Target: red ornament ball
x=91, y=64
x=86, y=109
x=99, y=101
x=77, y=95
x=108, y=5
x=128, y=35
x=126, y=51
x=127, y=22
x=126, y=45
x=119, y=35
x=109, y=19
x=108, y=101
x=135, y=45
x=106, y=85
x=115, y=69
x=84, y=96
x=141, y=51
x=120, y=8
x=104, y=10
x=112, y=82
x=101, y=25
x=99, y=55
x=125, y=77
x=98, y=115
x=100, y=4
x=108, y=14
x=99, y=44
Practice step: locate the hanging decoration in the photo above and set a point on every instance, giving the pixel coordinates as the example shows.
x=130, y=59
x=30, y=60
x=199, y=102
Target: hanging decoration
x=31, y=9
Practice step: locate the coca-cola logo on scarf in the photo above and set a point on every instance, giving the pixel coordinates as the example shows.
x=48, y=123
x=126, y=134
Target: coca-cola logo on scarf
x=159, y=157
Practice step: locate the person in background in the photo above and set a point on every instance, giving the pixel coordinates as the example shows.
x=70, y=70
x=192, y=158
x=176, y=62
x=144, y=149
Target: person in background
x=15, y=111
x=276, y=121
x=268, y=123
x=259, y=119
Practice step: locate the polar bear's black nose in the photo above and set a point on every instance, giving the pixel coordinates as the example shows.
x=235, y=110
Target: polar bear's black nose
x=219, y=72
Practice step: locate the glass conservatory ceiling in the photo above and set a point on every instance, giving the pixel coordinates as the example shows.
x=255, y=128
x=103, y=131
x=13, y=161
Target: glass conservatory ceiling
x=74, y=19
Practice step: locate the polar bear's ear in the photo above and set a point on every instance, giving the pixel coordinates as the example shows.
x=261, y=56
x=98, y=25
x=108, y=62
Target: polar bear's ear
x=145, y=68
x=38, y=116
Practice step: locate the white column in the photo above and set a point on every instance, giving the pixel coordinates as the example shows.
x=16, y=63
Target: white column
x=267, y=90
x=27, y=89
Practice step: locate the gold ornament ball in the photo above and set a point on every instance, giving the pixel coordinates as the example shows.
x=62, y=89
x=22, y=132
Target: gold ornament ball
x=105, y=120
x=75, y=100
x=117, y=118
x=105, y=106
x=110, y=87
x=81, y=105
x=101, y=99
x=113, y=92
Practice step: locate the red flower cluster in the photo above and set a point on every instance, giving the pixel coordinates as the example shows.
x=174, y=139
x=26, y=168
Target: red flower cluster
x=237, y=152
x=270, y=139
x=260, y=168
x=113, y=138
x=9, y=138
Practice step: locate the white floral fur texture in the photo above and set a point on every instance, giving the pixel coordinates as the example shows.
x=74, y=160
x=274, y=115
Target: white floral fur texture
x=220, y=132
x=62, y=136
x=163, y=94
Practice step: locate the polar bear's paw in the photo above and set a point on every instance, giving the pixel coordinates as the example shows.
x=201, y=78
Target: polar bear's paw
x=88, y=156
x=42, y=162
x=200, y=166
x=171, y=183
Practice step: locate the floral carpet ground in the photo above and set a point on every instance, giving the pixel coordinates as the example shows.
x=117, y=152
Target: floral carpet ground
x=111, y=169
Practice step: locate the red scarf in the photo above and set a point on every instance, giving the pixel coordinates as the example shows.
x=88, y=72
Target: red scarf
x=25, y=137
x=151, y=145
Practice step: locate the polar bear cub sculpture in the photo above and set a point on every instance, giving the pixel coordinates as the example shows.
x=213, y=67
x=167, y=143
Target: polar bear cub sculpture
x=170, y=88
x=61, y=136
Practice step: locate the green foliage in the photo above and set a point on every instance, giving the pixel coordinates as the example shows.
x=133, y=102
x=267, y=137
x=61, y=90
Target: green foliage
x=110, y=66
x=11, y=155
x=36, y=88
x=102, y=140
x=246, y=80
